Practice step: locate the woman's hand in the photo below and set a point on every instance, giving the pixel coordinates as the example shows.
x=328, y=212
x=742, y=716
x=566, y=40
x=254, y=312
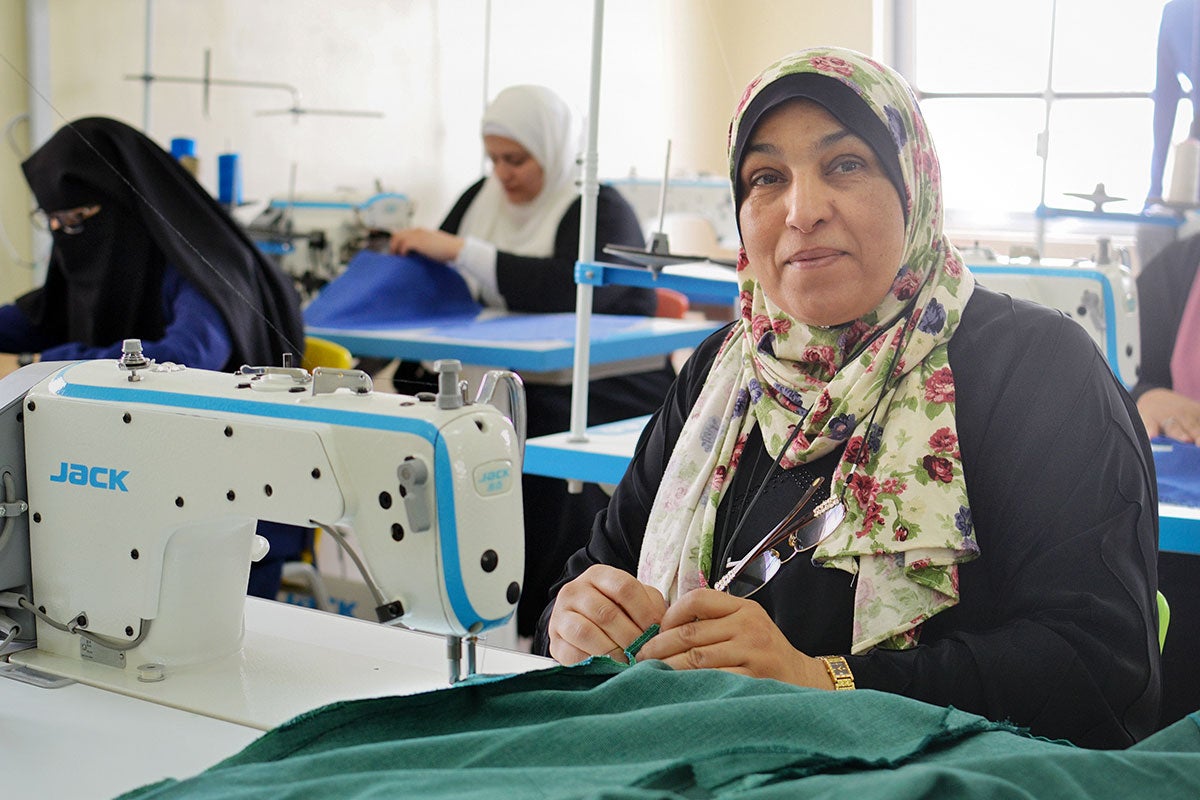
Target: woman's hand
x=1168, y=413
x=707, y=629
x=601, y=613
x=11, y=362
x=438, y=245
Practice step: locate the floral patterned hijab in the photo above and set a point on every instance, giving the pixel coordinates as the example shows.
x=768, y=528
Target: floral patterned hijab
x=880, y=386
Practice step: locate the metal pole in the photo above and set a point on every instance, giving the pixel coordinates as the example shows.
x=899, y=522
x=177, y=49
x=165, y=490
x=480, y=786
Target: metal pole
x=1044, y=139
x=587, y=237
x=148, y=66
x=487, y=67
x=41, y=115
x=37, y=35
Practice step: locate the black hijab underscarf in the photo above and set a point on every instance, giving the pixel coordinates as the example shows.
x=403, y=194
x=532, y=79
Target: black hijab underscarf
x=840, y=101
x=104, y=284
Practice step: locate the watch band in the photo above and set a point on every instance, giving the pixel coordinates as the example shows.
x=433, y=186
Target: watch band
x=839, y=670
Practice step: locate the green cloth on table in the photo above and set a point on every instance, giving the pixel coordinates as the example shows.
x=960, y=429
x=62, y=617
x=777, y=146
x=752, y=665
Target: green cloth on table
x=601, y=729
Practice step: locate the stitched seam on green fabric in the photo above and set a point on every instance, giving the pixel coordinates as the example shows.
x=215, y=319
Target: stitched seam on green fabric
x=632, y=651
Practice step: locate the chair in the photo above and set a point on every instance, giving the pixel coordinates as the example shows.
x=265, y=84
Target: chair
x=1164, y=619
x=324, y=353
x=671, y=304
x=302, y=576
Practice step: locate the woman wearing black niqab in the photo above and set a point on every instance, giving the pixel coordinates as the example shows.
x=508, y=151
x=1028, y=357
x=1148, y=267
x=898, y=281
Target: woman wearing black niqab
x=141, y=250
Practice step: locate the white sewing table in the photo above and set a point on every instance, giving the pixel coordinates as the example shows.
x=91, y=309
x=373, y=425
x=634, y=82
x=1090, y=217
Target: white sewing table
x=83, y=742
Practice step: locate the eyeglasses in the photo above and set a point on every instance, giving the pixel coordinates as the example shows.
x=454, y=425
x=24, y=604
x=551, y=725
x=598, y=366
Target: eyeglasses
x=745, y=577
x=69, y=221
x=800, y=532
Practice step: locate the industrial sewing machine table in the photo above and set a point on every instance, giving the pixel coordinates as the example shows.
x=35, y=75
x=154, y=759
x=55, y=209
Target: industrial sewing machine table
x=131, y=496
x=294, y=659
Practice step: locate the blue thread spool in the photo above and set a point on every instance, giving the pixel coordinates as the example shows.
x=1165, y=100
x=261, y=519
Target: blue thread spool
x=229, y=180
x=182, y=146
x=183, y=150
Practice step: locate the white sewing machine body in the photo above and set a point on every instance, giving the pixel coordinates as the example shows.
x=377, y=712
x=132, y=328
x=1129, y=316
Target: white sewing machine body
x=144, y=494
x=1100, y=295
x=314, y=237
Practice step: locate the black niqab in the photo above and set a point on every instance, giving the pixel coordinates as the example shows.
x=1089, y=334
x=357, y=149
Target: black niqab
x=104, y=284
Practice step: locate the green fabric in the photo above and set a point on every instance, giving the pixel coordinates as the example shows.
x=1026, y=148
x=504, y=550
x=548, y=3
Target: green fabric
x=601, y=729
x=640, y=642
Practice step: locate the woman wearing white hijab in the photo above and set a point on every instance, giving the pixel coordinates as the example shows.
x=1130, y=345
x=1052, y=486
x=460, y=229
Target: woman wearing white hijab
x=514, y=234
x=514, y=237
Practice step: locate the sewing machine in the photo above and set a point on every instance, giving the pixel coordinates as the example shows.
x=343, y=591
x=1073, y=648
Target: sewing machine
x=312, y=238
x=1101, y=295
x=132, y=491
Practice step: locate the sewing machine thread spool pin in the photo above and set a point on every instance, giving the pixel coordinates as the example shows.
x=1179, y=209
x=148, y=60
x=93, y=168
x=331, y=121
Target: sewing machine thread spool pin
x=133, y=359
x=450, y=390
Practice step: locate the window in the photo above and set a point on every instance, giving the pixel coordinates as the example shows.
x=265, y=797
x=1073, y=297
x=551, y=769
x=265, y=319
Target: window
x=1030, y=100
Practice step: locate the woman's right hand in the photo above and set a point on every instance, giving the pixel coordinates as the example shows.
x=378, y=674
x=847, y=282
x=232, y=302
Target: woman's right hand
x=438, y=245
x=601, y=613
x=1168, y=413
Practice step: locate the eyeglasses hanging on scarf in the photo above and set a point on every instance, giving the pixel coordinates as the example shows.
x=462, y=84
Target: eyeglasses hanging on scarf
x=801, y=533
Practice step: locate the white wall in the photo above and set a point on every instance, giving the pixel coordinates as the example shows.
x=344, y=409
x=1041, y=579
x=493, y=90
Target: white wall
x=15, y=239
x=671, y=68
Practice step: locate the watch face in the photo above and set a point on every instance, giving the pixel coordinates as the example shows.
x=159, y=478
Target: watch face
x=840, y=672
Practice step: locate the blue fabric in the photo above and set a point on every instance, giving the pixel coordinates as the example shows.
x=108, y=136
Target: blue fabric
x=381, y=291
x=1178, y=468
x=196, y=335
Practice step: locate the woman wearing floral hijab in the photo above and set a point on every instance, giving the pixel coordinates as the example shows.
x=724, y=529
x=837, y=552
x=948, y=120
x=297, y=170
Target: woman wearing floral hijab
x=983, y=528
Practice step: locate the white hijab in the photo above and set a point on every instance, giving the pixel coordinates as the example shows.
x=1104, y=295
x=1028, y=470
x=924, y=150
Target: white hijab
x=542, y=123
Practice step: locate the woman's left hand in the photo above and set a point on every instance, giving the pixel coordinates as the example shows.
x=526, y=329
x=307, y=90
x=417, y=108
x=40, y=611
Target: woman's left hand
x=1166, y=412
x=438, y=245
x=707, y=629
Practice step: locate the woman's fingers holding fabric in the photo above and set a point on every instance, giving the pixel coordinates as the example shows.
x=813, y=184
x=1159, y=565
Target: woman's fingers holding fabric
x=438, y=245
x=707, y=629
x=601, y=612
x=575, y=638
x=399, y=242
x=697, y=621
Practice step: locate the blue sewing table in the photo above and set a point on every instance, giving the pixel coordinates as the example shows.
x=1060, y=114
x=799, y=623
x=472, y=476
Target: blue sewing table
x=608, y=449
x=521, y=342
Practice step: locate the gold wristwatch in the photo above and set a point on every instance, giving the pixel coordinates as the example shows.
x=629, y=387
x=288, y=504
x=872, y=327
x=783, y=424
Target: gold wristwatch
x=839, y=670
